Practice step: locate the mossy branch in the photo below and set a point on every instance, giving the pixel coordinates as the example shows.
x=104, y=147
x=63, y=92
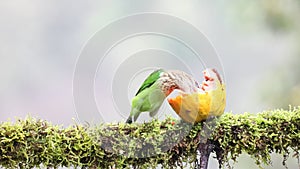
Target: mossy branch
x=36, y=143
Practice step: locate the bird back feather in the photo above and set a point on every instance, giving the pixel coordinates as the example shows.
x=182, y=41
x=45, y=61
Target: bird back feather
x=151, y=79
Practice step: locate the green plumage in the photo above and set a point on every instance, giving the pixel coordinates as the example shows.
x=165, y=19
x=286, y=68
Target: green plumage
x=152, y=78
x=156, y=88
x=148, y=98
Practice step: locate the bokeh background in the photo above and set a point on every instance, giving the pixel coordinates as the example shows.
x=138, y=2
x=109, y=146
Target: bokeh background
x=257, y=41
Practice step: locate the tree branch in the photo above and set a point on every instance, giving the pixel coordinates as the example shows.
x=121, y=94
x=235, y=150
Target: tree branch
x=170, y=143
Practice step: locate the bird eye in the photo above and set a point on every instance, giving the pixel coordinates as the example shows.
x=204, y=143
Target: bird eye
x=206, y=78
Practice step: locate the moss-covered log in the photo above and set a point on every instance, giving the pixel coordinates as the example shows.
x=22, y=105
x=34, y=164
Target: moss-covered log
x=36, y=143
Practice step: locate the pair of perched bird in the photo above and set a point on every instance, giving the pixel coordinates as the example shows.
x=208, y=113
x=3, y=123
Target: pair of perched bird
x=193, y=103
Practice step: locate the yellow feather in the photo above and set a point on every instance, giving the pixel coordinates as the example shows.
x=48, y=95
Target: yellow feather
x=197, y=107
x=219, y=100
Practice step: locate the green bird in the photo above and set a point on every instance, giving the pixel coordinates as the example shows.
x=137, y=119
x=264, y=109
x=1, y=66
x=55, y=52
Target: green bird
x=157, y=86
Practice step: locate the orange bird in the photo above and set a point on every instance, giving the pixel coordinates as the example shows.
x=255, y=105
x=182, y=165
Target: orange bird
x=209, y=100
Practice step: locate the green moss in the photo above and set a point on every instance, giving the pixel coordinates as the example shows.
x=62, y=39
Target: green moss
x=259, y=135
x=36, y=143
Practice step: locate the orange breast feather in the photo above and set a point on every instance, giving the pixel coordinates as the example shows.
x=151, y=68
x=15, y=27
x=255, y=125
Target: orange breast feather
x=192, y=108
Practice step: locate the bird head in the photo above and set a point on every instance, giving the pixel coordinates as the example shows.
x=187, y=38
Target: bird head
x=212, y=79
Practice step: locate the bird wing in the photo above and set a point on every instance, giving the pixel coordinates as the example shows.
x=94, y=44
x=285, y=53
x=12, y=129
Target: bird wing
x=218, y=100
x=152, y=78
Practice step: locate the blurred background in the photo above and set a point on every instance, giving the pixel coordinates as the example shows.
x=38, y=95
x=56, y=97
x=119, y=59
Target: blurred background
x=257, y=41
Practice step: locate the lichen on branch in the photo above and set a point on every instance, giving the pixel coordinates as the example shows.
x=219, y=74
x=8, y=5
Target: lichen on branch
x=170, y=143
